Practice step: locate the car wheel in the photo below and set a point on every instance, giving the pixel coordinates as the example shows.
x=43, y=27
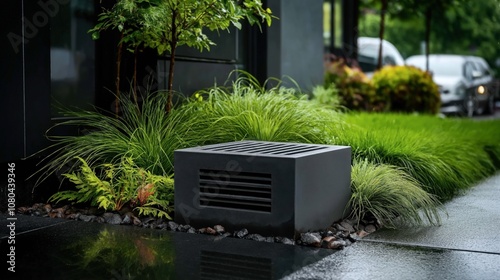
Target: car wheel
x=470, y=105
x=490, y=106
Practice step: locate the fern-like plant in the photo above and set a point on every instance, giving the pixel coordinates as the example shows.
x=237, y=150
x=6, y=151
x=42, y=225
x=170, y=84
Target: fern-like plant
x=112, y=186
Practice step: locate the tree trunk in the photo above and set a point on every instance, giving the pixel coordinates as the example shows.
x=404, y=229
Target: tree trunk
x=117, y=81
x=381, y=32
x=173, y=46
x=428, y=15
x=171, y=78
x=135, y=78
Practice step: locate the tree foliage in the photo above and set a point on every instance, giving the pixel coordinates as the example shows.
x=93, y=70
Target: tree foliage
x=460, y=27
x=164, y=25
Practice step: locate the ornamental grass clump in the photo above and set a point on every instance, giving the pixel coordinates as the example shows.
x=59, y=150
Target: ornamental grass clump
x=443, y=157
x=328, y=96
x=247, y=110
x=145, y=133
x=485, y=134
x=391, y=196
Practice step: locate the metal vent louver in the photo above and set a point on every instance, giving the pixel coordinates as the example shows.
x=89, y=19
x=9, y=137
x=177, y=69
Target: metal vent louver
x=235, y=190
x=215, y=265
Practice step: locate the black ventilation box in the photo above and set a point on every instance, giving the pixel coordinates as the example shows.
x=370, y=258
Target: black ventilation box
x=269, y=188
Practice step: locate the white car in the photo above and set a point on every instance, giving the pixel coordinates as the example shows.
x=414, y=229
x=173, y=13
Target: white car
x=465, y=82
x=368, y=49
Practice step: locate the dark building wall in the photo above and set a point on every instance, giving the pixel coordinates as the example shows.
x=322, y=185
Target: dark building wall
x=11, y=82
x=25, y=79
x=295, y=41
x=24, y=91
x=292, y=46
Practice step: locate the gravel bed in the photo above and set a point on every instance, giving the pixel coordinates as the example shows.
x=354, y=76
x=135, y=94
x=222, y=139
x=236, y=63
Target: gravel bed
x=339, y=235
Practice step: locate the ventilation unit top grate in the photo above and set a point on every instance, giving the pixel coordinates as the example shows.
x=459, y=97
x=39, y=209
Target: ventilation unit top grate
x=265, y=148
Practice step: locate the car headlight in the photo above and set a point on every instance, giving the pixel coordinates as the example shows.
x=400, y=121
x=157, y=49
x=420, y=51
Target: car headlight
x=460, y=91
x=481, y=89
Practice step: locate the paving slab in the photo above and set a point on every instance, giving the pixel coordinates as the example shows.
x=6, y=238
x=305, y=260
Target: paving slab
x=366, y=260
x=472, y=224
x=25, y=223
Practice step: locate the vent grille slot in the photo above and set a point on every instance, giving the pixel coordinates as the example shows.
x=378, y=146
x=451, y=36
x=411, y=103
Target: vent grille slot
x=215, y=265
x=264, y=148
x=235, y=190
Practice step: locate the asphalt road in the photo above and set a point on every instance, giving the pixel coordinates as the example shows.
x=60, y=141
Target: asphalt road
x=490, y=117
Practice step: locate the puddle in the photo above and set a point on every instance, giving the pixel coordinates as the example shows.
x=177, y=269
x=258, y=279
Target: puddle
x=77, y=250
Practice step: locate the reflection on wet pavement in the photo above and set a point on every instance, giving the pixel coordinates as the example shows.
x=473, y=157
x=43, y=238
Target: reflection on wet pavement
x=78, y=250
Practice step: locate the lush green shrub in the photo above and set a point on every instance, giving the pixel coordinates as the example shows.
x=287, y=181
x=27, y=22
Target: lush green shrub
x=110, y=187
x=390, y=195
x=409, y=88
x=355, y=90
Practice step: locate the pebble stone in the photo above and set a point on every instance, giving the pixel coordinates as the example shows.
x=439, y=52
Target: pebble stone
x=337, y=236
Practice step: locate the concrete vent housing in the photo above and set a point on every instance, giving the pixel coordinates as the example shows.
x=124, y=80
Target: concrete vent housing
x=267, y=187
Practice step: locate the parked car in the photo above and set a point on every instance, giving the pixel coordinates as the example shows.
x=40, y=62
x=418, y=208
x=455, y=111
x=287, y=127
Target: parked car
x=368, y=54
x=465, y=83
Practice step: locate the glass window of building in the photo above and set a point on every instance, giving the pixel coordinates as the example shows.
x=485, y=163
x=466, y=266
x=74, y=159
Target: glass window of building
x=72, y=57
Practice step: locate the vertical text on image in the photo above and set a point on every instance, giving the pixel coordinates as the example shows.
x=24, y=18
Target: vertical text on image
x=11, y=219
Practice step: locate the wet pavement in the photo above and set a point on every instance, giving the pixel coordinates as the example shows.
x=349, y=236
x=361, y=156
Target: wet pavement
x=465, y=246
x=48, y=248
x=473, y=224
x=366, y=260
